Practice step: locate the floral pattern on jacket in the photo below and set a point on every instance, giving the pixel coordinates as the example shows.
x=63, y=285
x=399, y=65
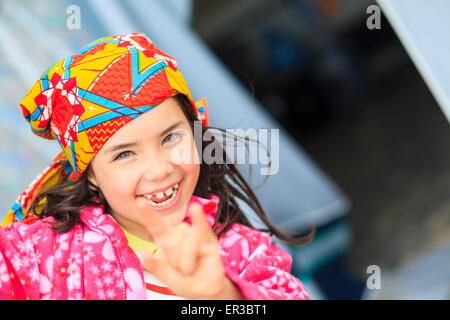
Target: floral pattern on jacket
x=93, y=260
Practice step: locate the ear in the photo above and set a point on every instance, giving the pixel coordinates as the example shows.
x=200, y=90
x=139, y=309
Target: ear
x=93, y=180
x=91, y=175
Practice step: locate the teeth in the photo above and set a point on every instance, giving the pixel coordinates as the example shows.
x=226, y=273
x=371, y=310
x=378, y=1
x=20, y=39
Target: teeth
x=171, y=191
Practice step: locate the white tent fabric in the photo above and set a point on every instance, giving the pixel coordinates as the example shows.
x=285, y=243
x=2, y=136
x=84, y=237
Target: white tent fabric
x=422, y=27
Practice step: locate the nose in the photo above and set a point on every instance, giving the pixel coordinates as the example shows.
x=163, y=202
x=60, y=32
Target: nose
x=157, y=169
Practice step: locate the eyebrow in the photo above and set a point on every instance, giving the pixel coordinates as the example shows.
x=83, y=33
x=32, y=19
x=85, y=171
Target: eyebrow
x=173, y=126
x=133, y=144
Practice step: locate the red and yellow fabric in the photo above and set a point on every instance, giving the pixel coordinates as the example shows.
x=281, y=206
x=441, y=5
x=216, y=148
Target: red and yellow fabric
x=82, y=100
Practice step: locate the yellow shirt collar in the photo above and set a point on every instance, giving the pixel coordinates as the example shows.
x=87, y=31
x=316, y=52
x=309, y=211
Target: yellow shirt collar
x=137, y=243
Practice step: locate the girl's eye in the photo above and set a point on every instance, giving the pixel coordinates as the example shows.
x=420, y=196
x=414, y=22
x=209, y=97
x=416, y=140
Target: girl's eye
x=172, y=137
x=121, y=155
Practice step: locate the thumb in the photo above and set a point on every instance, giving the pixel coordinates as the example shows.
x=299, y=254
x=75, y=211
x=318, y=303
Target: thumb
x=157, y=267
x=149, y=262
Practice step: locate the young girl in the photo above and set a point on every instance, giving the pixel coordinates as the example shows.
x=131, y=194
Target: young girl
x=127, y=210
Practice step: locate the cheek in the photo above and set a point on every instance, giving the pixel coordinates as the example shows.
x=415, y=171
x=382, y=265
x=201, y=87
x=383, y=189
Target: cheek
x=118, y=185
x=185, y=152
x=195, y=173
x=191, y=172
x=190, y=163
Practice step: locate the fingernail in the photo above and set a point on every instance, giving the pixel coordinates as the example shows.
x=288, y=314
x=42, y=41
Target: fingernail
x=195, y=206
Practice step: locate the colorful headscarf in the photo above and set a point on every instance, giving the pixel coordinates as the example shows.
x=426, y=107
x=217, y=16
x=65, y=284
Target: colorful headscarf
x=84, y=99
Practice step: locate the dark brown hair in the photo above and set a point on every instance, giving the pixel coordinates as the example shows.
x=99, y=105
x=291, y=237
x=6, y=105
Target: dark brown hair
x=223, y=179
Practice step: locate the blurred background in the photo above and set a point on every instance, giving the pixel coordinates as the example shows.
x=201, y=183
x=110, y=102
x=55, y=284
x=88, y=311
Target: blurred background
x=364, y=138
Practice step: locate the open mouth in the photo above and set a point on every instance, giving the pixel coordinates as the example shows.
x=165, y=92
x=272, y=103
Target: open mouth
x=164, y=199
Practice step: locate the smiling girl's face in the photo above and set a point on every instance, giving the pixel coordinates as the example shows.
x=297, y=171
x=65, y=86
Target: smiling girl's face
x=149, y=165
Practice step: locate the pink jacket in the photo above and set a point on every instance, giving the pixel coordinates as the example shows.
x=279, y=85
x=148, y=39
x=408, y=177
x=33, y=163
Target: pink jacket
x=93, y=261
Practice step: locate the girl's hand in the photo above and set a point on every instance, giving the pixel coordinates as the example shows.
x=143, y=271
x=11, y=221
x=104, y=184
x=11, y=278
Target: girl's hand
x=188, y=259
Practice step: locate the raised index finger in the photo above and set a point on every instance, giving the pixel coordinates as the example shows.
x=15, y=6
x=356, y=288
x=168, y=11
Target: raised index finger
x=199, y=221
